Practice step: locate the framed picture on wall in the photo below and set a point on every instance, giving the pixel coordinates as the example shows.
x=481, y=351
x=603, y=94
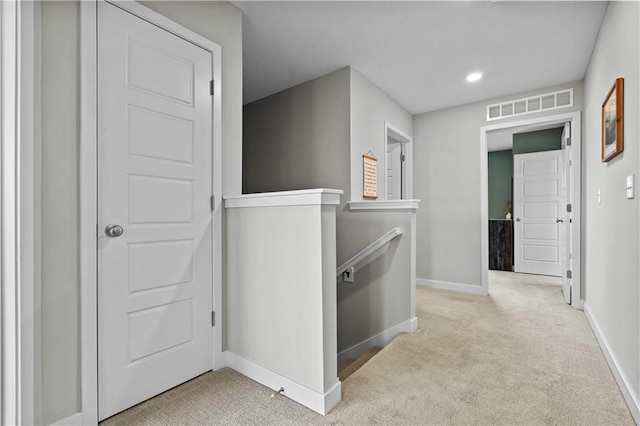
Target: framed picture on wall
x=370, y=177
x=613, y=121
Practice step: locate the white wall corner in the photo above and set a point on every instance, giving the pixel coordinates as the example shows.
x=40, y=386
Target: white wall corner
x=444, y=285
x=321, y=403
x=623, y=382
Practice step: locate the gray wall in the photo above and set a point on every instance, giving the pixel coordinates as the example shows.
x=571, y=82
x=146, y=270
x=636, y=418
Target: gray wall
x=217, y=21
x=314, y=135
x=610, y=230
x=60, y=211
x=381, y=294
x=370, y=109
x=446, y=177
x=299, y=138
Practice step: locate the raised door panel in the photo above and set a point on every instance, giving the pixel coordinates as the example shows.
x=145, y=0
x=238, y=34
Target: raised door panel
x=154, y=179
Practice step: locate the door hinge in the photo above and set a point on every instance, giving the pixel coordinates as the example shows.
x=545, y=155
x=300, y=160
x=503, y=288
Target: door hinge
x=213, y=202
x=402, y=157
x=213, y=318
x=569, y=274
x=568, y=208
x=570, y=163
x=211, y=87
x=568, y=141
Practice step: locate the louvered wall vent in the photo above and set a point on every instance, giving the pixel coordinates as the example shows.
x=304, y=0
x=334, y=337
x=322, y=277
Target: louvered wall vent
x=544, y=102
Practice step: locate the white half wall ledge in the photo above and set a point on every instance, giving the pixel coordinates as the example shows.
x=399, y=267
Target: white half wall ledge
x=444, y=285
x=381, y=339
x=623, y=383
x=383, y=205
x=320, y=403
x=304, y=197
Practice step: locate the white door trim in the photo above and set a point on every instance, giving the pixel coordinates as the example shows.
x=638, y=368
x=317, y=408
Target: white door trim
x=576, y=139
x=89, y=185
x=406, y=140
x=19, y=212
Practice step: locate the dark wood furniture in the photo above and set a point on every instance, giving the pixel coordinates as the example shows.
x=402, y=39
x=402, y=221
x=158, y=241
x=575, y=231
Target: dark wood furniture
x=501, y=244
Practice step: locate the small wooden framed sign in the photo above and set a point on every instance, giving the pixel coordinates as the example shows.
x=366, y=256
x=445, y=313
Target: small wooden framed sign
x=613, y=121
x=370, y=177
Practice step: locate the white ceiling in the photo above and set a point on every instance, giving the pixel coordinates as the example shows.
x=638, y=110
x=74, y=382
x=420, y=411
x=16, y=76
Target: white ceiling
x=419, y=52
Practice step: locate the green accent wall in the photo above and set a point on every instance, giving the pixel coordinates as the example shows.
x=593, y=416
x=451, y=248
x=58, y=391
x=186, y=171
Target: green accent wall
x=542, y=140
x=500, y=174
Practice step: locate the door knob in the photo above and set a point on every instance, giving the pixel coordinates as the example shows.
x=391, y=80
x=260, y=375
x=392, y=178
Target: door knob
x=559, y=220
x=517, y=219
x=113, y=230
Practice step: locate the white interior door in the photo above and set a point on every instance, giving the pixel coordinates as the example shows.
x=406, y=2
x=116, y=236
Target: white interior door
x=566, y=224
x=394, y=173
x=537, y=208
x=154, y=181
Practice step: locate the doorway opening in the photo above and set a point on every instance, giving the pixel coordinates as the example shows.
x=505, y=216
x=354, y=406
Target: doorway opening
x=545, y=227
x=398, y=164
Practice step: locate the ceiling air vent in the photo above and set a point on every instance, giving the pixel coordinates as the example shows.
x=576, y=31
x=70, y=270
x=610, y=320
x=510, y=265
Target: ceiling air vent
x=530, y=105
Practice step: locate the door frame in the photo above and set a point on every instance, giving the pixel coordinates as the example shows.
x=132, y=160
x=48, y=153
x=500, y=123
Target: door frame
x=407, y=142
x=89, y=190
x=20, y=212
x=575, y=178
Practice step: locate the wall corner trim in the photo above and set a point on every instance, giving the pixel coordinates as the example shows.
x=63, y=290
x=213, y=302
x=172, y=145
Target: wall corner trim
x=444, y=285
x=623, y=383
x=320, y=403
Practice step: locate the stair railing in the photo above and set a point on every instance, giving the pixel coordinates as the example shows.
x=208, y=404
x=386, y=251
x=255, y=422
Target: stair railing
x=347, y=269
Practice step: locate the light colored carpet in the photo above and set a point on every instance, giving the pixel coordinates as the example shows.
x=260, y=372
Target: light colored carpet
x=519, y=356
x=352, y=365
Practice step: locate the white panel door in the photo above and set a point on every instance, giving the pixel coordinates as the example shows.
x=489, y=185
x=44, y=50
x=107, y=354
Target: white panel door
x=537, y=201
x=566, y=224
x=154, y=180
x=394, y=174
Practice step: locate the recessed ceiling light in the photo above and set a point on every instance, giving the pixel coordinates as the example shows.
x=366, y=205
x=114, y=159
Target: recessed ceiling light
x=474, y=76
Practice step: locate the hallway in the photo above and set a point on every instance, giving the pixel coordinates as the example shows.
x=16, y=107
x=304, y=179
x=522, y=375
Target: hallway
x=518, y=356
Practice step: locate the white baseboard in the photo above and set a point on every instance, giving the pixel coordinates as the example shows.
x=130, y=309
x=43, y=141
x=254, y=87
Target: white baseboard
x=380, y=339
x=444, y=285
x=318, y=402
x=623, y=383
x=72, y=420
x=413, y=324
